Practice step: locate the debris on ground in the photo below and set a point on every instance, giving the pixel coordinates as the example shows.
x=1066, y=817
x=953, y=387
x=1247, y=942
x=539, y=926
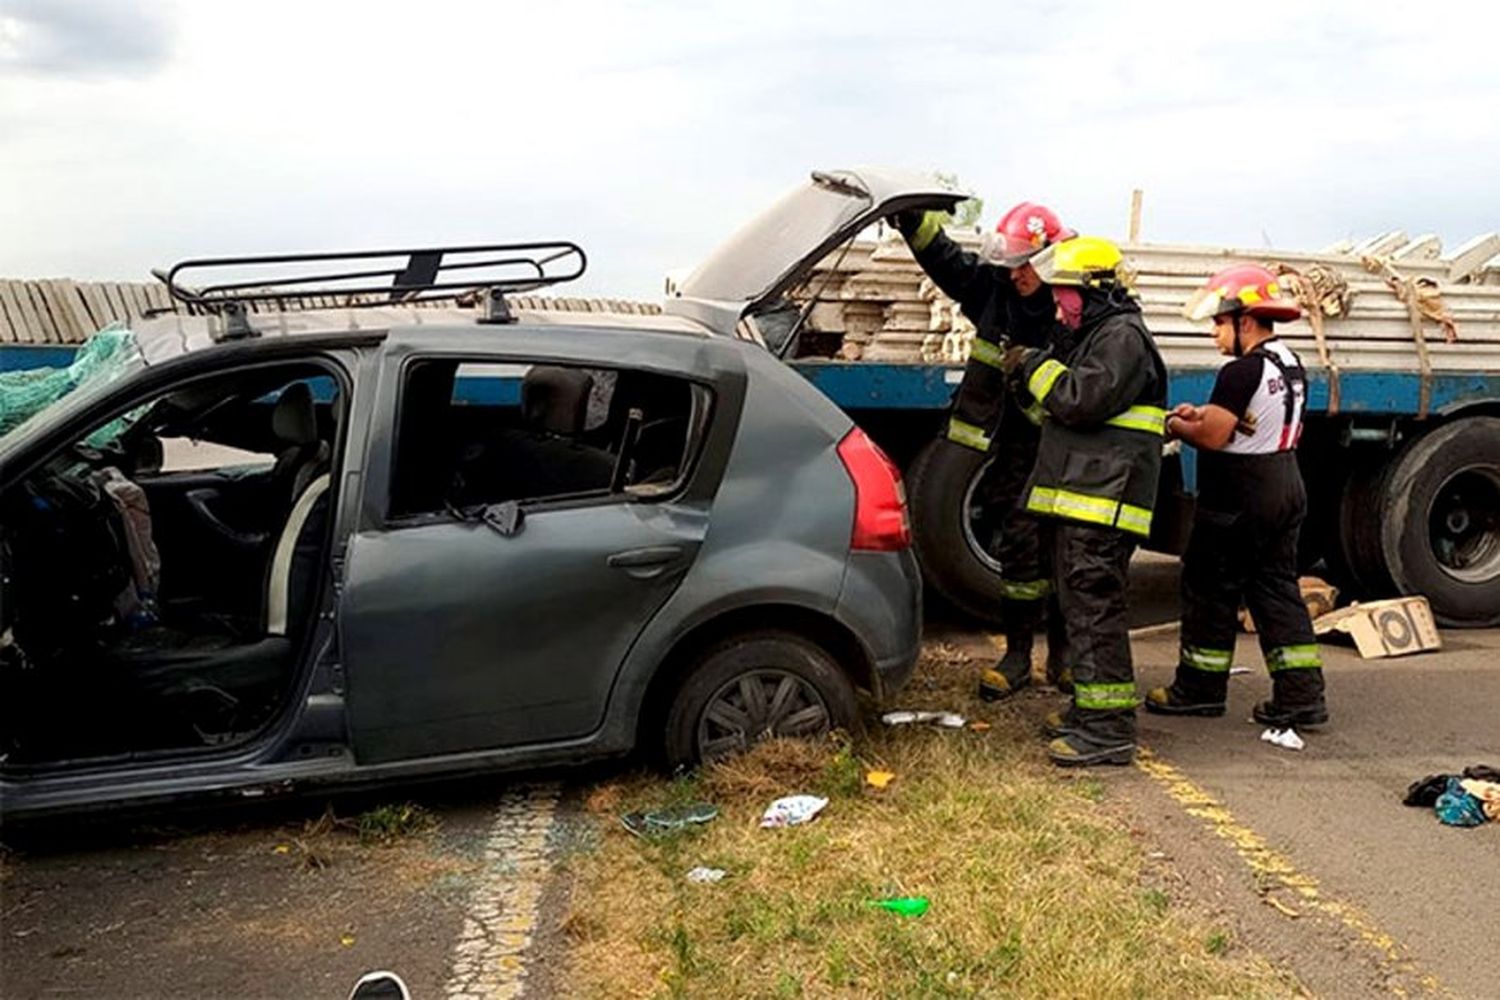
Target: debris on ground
x=980, y=726
x=662, y=821
x=1286, y=738
x=1467, y=799
x=1397, y=627
x=1238, y=671
x=1318, y=595
x=906, y=906
x=706, y=876
x=944, y=720
x=794, y=810
x=879, y=779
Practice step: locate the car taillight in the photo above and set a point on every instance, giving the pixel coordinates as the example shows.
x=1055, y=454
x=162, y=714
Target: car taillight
x=880, y=520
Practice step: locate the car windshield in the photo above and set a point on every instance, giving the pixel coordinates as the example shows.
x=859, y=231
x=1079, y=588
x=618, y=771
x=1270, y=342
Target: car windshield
x=753, y=259
x=29, y=397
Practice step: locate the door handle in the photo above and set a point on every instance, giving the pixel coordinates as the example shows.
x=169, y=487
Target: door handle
x=648, y=558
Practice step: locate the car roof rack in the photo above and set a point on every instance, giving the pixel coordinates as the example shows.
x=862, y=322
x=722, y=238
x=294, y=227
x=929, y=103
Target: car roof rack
x=483, y=273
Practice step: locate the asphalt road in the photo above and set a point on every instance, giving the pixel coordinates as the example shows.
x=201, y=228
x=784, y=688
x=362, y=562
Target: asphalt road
x=260, y=902
x=1332, y=811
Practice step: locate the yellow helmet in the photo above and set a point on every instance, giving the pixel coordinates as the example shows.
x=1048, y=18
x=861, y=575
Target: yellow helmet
x=1083, y=261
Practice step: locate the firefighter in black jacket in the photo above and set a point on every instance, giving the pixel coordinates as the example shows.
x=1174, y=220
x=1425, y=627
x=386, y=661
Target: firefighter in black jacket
x=1002, y=296
x=1103, y=389
x=1251, y=504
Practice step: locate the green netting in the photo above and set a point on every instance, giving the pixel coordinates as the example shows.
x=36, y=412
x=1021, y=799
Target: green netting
x=104, y=357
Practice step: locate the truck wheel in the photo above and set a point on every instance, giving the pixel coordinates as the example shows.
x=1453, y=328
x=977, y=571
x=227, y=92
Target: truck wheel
x=752, y=687
x=1441, y=526
x=951, y=538
x=1359, y=549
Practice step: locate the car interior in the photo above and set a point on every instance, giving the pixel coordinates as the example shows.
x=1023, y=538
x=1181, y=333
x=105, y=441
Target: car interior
x=480, y=435
x=160, y=575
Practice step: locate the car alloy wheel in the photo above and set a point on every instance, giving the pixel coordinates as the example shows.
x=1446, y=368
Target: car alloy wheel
x=758, y=705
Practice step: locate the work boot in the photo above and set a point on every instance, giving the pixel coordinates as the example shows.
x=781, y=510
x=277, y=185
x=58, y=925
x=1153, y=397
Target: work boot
x=1077, y=749
x=1268, y=713
x=1059, y=724
x=1296, y=700
x=1012, y=673
x=1175, y=701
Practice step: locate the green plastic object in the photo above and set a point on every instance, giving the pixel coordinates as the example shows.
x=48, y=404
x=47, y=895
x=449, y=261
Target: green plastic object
x=107, y=355
x=907, y=906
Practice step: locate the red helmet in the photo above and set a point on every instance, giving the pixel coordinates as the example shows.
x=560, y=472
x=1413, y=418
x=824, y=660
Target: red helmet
x=1024, y=232
x=1242, y=289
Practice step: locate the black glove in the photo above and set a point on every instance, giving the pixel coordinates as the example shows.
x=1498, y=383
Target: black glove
x=908, y=221
x=1013, y=358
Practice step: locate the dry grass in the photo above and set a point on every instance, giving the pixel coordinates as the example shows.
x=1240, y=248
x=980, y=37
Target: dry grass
x=1036, y=887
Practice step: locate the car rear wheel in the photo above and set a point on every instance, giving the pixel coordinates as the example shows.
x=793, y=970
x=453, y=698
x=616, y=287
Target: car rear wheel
x=751, y=688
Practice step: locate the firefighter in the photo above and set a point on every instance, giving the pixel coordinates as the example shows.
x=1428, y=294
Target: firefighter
x=1251, y=504
x=1001, y=294
x=1103, y=389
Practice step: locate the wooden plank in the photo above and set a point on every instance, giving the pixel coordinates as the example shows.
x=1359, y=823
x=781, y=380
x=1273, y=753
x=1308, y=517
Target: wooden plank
x=139, y=305
x=62, y=319
x=158, y=296
x=15, y=318
x=1471, y=257
x=29, y=315
x=118, y=309
x=94, y=304
x=54, y=326
x=68, y=302
x=1425, y=247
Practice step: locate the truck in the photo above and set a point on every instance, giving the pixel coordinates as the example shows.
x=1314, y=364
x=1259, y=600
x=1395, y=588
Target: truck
x=1401, y=446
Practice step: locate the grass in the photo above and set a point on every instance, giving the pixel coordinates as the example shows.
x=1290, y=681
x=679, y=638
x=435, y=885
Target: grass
x=1036, y=884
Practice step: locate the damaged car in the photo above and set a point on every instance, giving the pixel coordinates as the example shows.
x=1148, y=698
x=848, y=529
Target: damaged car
x=416, y=531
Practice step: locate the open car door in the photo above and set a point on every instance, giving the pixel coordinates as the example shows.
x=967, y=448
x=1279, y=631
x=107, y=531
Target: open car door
x=741, y=285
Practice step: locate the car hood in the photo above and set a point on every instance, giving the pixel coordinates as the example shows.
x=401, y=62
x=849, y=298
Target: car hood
x=780, y=246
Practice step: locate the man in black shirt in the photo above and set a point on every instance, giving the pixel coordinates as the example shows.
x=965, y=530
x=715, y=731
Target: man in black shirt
x=1251, y=505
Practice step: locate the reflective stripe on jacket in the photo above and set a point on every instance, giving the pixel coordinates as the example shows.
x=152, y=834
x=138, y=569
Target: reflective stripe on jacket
x=1104, y=394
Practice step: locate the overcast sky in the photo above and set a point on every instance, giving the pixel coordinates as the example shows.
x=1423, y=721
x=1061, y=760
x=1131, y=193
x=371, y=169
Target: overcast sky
x=133, y=134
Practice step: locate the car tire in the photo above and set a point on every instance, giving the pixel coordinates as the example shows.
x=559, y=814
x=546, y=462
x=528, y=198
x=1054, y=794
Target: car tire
x=1440, y=529
x=940, y=482
x=720, y=684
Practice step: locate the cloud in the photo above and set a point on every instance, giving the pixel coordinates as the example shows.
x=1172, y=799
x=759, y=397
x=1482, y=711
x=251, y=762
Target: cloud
x=83, y=39
x=650, y=129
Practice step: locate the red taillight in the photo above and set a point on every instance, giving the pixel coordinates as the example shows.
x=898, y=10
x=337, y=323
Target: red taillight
x=880, y=521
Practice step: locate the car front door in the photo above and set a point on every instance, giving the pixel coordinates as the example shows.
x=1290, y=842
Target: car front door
x=507, y=628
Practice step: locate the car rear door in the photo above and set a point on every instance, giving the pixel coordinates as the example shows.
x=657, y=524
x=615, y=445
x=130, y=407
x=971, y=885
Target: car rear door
x=469, y=635
x=750, y=272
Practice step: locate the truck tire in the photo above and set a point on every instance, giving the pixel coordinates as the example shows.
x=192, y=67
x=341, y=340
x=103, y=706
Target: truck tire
x=956, y=564
x=1358, y=549
x=1440, y=526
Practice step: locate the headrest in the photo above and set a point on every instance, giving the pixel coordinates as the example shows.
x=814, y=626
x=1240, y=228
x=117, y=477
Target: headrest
x=294, y=420
x=556, y=399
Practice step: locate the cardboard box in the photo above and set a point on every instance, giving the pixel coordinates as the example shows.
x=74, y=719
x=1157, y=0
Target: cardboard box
x=1398, y=627
x=1319, y=595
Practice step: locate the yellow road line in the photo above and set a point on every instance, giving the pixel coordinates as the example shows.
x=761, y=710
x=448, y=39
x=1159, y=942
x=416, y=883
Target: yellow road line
x=1271, y=868
x=489, y=959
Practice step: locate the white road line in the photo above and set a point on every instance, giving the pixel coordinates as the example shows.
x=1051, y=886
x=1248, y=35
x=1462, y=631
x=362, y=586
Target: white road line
x=489, y=960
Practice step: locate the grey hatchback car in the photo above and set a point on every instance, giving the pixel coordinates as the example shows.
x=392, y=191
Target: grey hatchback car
x=256, y=549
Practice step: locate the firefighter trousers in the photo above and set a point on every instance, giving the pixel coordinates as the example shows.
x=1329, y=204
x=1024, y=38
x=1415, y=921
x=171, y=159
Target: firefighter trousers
x=1243, y=548
x=1090, y=566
